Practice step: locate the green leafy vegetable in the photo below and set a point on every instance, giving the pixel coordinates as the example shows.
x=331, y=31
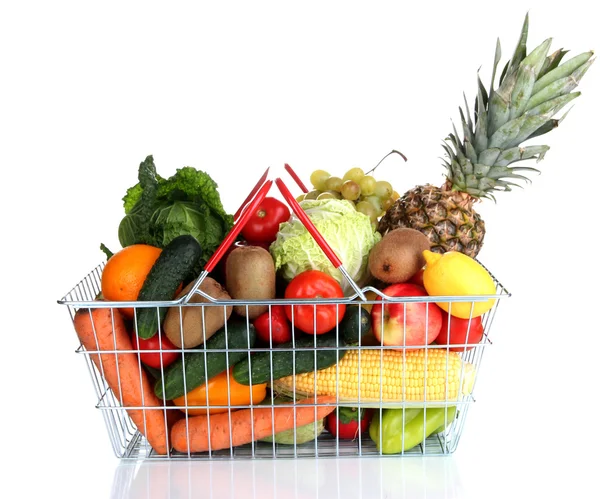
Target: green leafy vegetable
x=158, y=209
x=348, y=232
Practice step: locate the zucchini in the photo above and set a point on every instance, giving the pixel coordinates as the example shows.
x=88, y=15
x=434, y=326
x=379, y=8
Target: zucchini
x=202, y=365
x=174, y=264
x=355, y=324
x=261, y=369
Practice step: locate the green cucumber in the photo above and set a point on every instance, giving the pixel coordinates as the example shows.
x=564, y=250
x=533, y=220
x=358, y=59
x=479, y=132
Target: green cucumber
x=174, y=264
x=355, y=324
x=259, y=369
x=202, y=365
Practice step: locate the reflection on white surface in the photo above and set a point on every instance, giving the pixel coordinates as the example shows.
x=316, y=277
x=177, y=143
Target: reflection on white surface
x=414, y=477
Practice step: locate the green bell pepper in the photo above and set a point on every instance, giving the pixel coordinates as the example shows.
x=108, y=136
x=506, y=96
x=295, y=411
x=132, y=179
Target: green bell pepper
x=403, y=429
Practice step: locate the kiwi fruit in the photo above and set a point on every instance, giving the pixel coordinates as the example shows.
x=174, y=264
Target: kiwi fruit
x=398, y=256
x=250, y=275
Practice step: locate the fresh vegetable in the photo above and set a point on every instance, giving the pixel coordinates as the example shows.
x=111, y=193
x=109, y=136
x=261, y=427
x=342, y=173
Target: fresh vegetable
x=355, y=325
x=298, y=435
x=243, y=426
x=202, y=365
x=190, y=326
x=263, y=225
x=273, y=326
x=460, y=332
x=348, y=232
x=301, y=355
x=174, y=265
x=158, y=210
x=103, y=330
x=348, y=422
x=387, y=376
x=314, y=319
x=456, y=274
x=125, y=273
x=223, y=390
x=399, y=430
x=156, y=352
x=411, y=323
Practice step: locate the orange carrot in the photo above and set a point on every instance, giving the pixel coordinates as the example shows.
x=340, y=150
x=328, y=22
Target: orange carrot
x=259, y=422
x=128, y=381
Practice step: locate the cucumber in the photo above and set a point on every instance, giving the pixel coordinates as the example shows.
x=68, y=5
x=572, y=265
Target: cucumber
x=172, y=267
x=202, y=365
x=355, y=324
x=259, y=369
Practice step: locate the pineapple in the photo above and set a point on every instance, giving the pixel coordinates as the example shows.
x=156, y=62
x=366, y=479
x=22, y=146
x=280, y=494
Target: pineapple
x=532, y=89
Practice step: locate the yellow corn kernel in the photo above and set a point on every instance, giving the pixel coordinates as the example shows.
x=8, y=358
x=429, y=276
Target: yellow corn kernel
x=371, y=375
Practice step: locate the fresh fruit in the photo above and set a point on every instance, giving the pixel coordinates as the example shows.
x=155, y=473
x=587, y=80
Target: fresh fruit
x=196, y=367
x=221, y=390
x=262, y=226
x=166, y=356
x=250, y=275
x=350, y=190
x=125, y=272
x=410, y=323
x=532, y=89
x=460, y=332
x=398, y=256
x=456, y=274
x=346, y=423
x=191, y=326
x=418, y=277
x=314, y=319
x=273, y=326
x=318, y=179
x=174, y=265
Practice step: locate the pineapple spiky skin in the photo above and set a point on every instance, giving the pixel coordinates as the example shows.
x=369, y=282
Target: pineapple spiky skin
x=532, y=89
x=446, y=217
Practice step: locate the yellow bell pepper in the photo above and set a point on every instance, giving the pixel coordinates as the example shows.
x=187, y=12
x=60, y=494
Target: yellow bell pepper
x=219, y=387
x=456, y=274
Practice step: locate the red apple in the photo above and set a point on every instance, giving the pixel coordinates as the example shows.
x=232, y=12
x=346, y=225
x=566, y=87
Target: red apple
x=460, y=332
x=417, y=278
x=406, y=323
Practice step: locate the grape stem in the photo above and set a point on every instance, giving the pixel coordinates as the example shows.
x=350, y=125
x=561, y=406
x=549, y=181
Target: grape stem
x=388, y=154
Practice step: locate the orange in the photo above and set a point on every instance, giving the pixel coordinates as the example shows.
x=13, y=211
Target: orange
x=125, y=273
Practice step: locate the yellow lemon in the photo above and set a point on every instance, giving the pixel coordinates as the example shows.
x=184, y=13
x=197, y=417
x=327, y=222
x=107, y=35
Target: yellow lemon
x=456, y=274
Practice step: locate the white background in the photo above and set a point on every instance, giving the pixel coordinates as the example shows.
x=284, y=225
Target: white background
x=88, y=89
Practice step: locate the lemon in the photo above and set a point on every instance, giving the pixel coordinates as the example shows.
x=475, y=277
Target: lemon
x=456, y=274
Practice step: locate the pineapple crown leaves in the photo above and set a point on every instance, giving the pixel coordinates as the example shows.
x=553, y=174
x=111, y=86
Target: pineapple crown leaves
x=532, y=88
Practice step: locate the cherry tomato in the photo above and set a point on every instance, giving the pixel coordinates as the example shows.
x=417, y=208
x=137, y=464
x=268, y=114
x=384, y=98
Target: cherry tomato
x=458, y=331
x=273, y=325
x=350, y=421
x=263, y=225
x=153, y=359
x=314, y=319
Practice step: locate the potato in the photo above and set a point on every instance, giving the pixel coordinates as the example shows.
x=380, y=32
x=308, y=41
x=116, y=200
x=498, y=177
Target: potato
x=199, y=322
x=250, y=275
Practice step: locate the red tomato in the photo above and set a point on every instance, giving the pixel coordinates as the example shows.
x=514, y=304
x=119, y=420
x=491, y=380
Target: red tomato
x=263, y=225
x=273, y=325
x=314, y=319
x=457, y=333
x=153, y=359
x=350, y=421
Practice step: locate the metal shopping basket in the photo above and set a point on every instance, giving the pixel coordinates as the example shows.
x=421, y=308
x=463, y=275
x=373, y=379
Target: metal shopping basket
x=400, y=387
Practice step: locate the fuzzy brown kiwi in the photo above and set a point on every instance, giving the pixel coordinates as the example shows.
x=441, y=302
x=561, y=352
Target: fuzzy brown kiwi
x=250, y=275
x=399, y=255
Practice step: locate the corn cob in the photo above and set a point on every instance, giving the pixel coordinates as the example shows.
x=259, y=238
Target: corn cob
x=408, y=376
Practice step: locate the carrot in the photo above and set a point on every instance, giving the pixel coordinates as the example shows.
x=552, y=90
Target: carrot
x=245, y=424
x=125, y=377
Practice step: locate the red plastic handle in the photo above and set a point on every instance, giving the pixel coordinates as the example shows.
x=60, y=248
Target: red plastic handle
x=237, y=227
x=296, y=178
x=307, y=222
x=252, y=192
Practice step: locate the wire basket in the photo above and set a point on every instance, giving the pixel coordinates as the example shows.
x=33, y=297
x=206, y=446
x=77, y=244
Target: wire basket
x=232, y=397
